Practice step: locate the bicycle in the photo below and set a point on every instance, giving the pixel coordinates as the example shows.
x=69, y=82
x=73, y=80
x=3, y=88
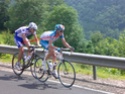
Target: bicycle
x=66, y=71
x=27, y=64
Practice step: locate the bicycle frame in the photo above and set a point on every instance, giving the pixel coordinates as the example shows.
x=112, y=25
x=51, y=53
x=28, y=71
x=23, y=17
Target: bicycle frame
x=59, y=54
x=24, y=64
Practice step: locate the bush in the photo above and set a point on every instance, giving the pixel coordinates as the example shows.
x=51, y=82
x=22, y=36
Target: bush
x=7, y=38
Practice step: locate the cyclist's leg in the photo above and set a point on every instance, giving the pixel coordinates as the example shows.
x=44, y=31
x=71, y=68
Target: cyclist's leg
x=44, y=44
x=53, y=54
x=29, y=52
x=19, y=43
x=21, y=51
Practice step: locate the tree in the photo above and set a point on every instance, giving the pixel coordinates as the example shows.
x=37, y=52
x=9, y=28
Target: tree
x=24, y=11
x=100, y=15
x=21, y=12
x=96, y=37
x=3, y=13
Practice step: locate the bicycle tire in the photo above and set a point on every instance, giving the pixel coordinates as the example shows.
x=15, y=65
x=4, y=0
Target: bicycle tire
x=35, y=57
x=14, y=60
x=39, y=73
x=66, y=73
x=32, y=68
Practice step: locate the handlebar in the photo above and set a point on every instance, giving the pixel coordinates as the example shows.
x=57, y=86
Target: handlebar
x=32, y=47
x=67, y=49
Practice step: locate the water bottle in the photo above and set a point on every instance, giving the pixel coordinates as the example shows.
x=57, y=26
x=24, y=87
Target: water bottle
x=24, y=56
x=27, y=58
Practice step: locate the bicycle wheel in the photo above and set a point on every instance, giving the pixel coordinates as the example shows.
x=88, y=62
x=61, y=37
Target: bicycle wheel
x=14, y=61
x=32, y=68
x=66, y=73
x=39, y=73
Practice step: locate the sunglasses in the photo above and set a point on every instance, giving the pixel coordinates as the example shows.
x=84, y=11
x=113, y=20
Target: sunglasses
x=61, y=31
x=34, y=29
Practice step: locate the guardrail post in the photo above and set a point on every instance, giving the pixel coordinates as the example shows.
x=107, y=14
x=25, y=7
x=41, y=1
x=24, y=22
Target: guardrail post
x=94, y=72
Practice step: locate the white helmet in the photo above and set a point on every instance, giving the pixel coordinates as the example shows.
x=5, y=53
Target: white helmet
x=33, y=25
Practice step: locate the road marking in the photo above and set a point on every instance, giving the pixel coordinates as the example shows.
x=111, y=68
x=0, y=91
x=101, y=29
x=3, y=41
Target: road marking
x=85, y=88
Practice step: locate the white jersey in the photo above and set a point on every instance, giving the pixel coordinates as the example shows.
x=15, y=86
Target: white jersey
x=23, y=30
x=50, y=35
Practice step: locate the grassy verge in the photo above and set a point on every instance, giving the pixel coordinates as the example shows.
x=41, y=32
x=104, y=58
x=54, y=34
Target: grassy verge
x=6, y=58
x=102, y=72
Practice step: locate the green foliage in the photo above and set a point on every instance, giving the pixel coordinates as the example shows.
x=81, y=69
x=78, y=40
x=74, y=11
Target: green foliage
x=106, y=16
x=21, y=12
x=24, y=11
x=96, y=37
x=7, y=38
x=3, y=13
x=121, y=44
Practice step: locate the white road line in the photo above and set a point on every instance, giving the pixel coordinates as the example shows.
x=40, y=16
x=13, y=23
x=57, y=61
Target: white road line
x=85, y=88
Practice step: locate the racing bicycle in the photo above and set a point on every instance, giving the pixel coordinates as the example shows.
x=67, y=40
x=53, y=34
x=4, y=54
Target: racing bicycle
x=26, y=64
x=65, y=69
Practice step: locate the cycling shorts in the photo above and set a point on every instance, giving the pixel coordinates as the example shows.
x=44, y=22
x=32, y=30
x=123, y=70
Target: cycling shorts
x=44, y=44
x=19, y=41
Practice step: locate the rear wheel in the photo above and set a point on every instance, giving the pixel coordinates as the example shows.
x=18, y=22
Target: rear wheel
x=32, y=68
x=14, y=61
x=66, y=74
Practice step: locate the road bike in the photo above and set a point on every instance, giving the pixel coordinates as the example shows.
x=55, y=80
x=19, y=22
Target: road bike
x=26, y=64
x=65, y=69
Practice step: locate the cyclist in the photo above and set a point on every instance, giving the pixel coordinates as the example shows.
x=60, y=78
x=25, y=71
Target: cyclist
x=46, y=41
x=21, y=39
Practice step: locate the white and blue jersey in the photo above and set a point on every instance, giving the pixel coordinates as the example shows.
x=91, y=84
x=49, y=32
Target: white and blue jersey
x=18, y=35
x=49, y=35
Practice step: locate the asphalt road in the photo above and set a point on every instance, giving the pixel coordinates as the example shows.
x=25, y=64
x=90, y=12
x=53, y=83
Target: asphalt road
x=11, y=84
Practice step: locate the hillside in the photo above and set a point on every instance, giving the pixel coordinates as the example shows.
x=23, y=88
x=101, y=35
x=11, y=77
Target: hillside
x=106, y=16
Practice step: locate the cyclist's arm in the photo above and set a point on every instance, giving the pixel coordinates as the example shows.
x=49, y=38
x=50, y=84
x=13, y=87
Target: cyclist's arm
x=36, y=39
x=26, y=41
x=50, y=43
x=65, y=43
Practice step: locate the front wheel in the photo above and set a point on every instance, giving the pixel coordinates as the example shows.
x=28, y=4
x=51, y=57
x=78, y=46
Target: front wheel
x=39, y=73
x=66, y=73
x=14, y=61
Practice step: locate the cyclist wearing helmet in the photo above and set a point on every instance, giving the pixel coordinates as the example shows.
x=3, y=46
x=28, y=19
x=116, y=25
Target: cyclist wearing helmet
x=46, y=41
x=21, y=39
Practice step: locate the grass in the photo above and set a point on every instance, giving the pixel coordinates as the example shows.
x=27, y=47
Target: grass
x=6, y=58
x=102, y=72
x=1, y=38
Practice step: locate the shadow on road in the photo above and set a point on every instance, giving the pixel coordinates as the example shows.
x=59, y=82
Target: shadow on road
x=30, y=82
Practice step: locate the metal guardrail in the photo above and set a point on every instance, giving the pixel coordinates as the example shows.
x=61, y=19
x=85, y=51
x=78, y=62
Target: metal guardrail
x=90, y=59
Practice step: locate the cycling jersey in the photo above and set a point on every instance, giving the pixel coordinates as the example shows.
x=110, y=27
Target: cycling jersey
x=23, y=30
x=18, y=35
x=49, y=35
